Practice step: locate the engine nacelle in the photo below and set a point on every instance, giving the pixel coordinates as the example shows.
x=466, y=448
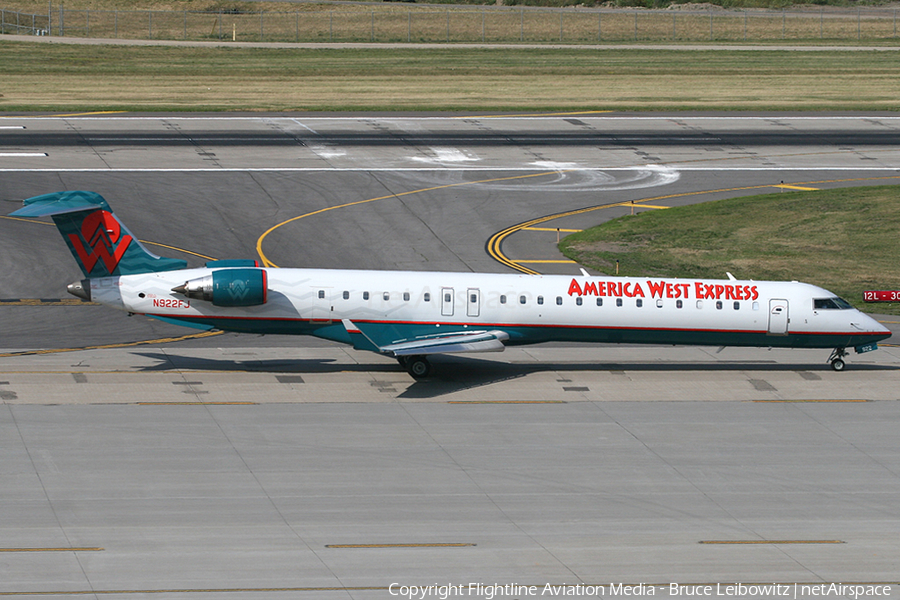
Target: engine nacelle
x=228, y=287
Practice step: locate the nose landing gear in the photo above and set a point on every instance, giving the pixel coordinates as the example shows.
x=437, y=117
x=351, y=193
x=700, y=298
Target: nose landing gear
x=837, y=359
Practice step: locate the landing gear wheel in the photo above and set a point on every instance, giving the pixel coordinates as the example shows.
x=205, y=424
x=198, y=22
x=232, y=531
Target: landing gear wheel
x=837, y=359
x=418, y=367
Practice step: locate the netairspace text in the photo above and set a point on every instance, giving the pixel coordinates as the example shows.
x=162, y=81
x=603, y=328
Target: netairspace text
x=489, y=591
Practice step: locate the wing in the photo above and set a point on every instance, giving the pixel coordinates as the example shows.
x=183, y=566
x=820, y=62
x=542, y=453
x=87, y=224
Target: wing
x=470, y=341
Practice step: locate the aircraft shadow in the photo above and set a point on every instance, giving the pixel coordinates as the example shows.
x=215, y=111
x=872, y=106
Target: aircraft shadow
x=173, y=362
x=452, y=374
x=456, y=373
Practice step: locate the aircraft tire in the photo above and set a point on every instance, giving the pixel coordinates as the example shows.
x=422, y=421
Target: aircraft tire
x=418, y=367
x=838, y=364
x=404, y=361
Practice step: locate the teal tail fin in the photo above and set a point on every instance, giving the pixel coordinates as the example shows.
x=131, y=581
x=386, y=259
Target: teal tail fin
x=100, y=243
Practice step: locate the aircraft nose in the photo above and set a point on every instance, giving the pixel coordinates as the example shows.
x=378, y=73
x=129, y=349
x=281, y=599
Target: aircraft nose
x=867, y=323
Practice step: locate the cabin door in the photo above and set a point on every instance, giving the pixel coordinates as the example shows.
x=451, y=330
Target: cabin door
x=778, y=317
x=321, y=308
x=473, y=302
x=447, y=302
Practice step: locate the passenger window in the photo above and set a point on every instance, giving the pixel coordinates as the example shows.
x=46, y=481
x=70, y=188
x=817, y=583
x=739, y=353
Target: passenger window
x=618, y=302
x=540, y=299
x=679, y=304
x=321, y=294
x=427, y=297
x=387, y=296
x=521, y=299
x=756, y=306
x=502, y=299
x=659, y=303
x=559, y=300
x=473, y=298
x=718, y=305
x=639, y=302
x=578, y=301
x=346, y=295
x=599, y=301
x=699, y=303
x=406, y=296
x=365, y=295
x=448, y=297
x=737, y=306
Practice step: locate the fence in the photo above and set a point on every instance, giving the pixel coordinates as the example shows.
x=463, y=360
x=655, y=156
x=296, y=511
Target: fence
x=23, y=23
x=487, y=24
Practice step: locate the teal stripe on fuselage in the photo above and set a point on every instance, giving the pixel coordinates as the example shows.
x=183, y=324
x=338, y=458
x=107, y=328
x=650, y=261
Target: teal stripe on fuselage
x=392, y=332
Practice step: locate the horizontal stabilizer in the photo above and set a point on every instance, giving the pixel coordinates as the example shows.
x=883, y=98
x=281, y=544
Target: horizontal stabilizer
x=59, y=203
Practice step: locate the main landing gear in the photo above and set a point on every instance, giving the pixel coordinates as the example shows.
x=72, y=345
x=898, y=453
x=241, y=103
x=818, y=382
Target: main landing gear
x=417, y=366
x=837, y=359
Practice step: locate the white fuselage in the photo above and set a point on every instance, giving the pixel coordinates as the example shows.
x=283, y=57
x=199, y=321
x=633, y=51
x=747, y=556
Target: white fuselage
x=400, y=305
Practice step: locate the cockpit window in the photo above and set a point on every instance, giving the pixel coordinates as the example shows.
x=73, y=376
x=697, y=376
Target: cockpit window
x=830, y=304
x=842, y=304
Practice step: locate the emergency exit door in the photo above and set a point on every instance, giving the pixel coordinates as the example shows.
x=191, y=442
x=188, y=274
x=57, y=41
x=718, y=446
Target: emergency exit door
x=322, y=309
x=447, y=302
x=473, y=302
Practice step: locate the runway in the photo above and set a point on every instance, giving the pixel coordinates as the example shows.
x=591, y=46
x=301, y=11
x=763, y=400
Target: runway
x=232, y=466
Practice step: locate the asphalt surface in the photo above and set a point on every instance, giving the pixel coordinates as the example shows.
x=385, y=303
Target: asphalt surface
x=245, y=466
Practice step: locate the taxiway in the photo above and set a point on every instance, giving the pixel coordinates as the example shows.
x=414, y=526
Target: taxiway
x=234, y=467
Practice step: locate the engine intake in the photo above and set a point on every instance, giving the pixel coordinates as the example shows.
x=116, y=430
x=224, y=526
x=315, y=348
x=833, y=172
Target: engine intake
x=228, y=287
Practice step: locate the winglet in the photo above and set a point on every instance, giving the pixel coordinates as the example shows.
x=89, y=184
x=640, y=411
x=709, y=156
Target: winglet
x=359, y=339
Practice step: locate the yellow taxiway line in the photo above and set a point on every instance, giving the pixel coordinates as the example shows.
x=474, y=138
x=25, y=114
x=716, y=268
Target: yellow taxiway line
x=495, y=242
x=771, y=542
x=51, y=549
x=268, y=263
x=421, y=545
x=191, y=336
x=552, y=229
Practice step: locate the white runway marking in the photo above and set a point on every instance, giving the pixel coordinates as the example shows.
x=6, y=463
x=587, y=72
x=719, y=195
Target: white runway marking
x=444, y=156
x=327, y=152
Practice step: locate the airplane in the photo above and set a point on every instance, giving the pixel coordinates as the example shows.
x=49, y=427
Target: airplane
x=412, y=315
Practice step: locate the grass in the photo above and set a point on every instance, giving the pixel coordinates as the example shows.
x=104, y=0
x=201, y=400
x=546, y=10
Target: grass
x=59, y=77
x=405, y=22
x=844, y=240
x=238, y=6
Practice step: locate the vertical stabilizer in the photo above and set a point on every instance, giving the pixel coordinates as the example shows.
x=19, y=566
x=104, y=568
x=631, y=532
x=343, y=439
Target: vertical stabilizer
x=99, y=241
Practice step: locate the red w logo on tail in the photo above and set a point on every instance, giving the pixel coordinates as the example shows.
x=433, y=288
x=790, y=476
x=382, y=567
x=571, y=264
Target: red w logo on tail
x=101, y=231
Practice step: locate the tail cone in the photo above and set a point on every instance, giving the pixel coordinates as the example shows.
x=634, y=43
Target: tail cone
x=80, y=289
